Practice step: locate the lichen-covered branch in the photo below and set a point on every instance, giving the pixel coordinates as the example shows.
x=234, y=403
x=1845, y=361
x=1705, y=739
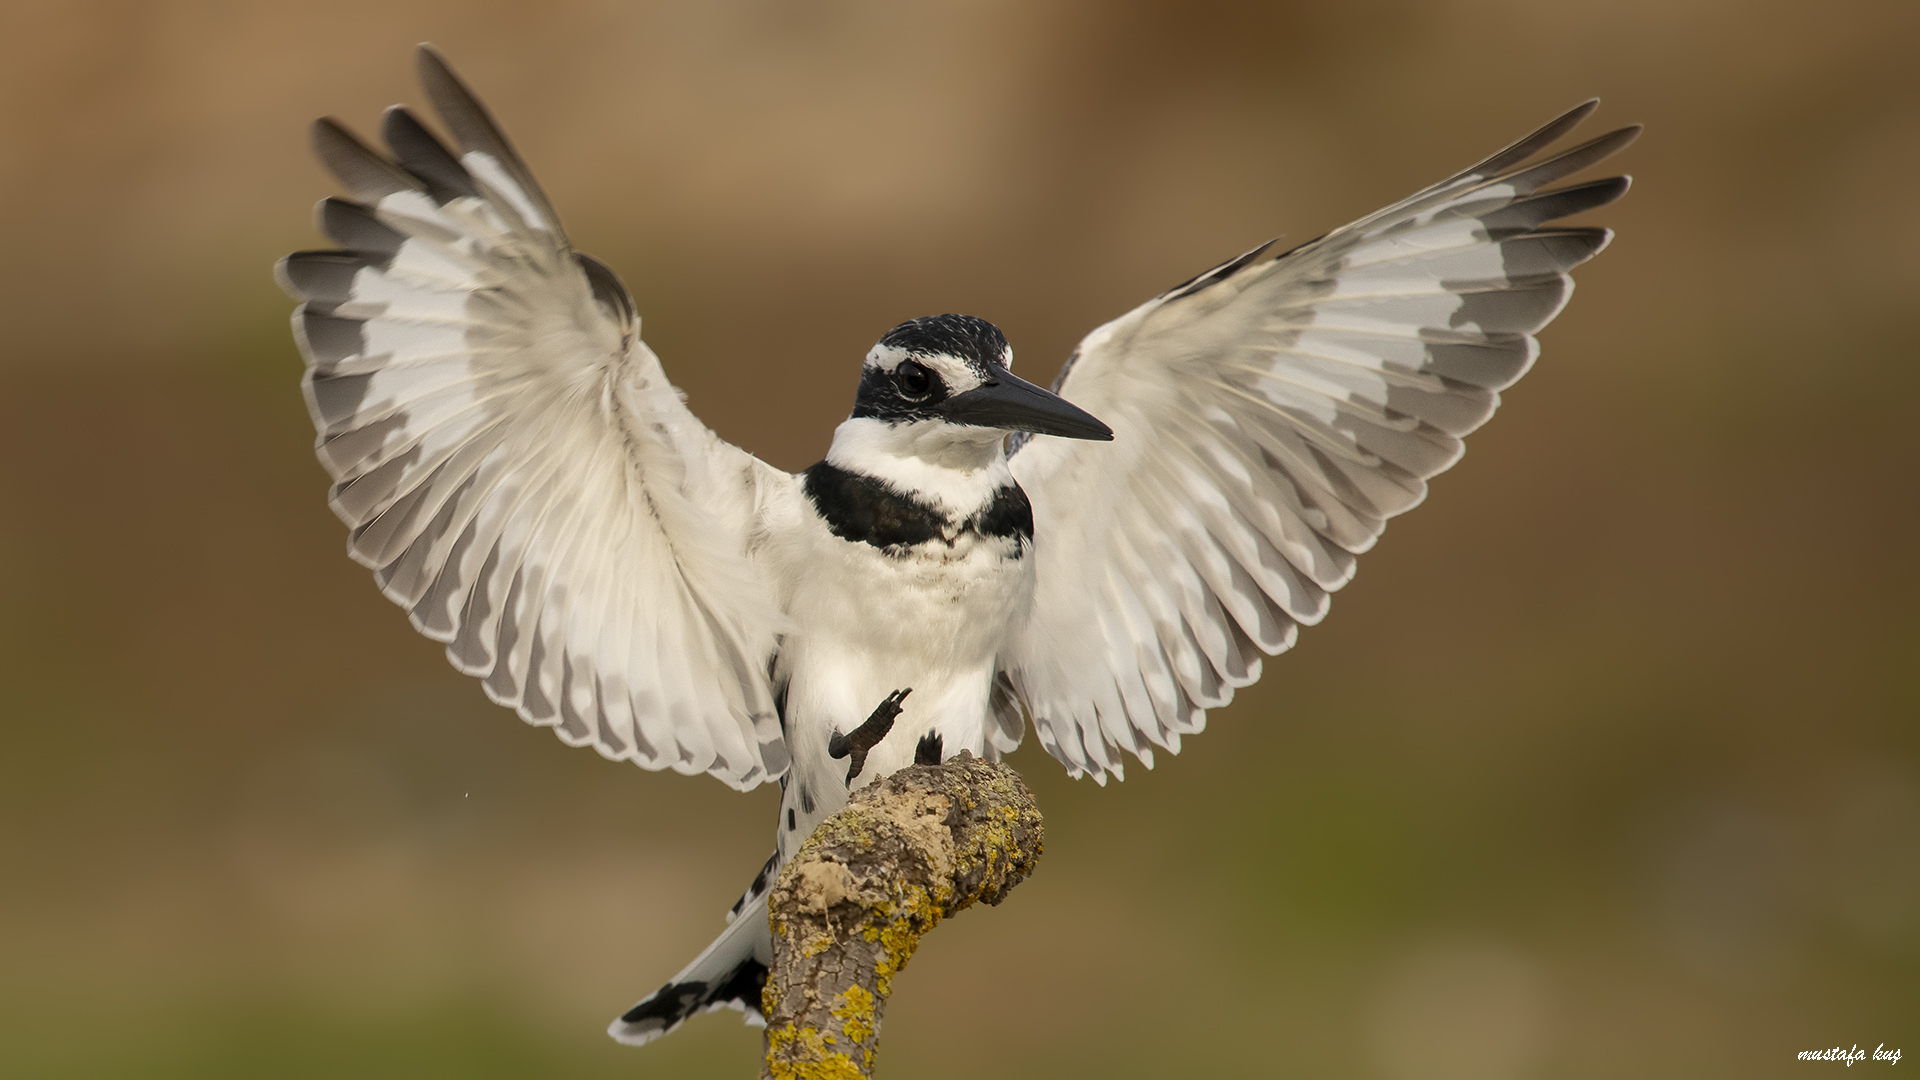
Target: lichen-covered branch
x=850, y=907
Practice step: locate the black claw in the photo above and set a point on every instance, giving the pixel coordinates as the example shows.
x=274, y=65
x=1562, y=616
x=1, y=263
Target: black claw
x=857, y=742
x=927, y=751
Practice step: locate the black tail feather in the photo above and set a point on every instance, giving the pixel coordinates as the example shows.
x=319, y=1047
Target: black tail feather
x=670, y=1006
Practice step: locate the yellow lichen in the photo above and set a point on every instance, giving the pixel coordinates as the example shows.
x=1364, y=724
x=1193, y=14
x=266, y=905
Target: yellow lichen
x=898, y=934
x=821, y=1064
x=854, y=1010
x=894, y=910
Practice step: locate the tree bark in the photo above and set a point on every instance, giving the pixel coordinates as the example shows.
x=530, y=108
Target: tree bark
x=850, y=908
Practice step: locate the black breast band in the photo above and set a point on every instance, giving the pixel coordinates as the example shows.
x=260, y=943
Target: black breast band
x=864, y=509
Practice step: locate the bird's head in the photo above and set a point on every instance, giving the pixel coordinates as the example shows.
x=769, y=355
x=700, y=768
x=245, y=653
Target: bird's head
x=950, y=373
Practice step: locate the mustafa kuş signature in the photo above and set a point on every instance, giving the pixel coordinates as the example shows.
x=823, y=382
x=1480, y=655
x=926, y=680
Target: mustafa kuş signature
x=1880, y=1053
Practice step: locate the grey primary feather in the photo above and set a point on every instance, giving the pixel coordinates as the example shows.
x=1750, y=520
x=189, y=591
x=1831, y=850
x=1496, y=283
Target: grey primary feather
x=359, y=230
x=323, y=277
x=422, y=155
x=1528, y=145
x=473, y=126
x=367, y=176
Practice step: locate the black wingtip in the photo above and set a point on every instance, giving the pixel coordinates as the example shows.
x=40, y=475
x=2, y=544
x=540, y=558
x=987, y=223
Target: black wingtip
x=359, y=229
x=423, y=155
x=323, y=276
x=473, y=127
x=366, y=175
x=435, y=71
x=1534, y=142
x=1573, y=160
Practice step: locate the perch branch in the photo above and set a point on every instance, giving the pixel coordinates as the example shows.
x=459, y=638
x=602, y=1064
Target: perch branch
x=850, y=908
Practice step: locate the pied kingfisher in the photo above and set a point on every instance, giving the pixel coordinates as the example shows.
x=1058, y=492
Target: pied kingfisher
x=975, y=554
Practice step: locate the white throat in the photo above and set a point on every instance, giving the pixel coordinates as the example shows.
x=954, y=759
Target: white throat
x=954, y=466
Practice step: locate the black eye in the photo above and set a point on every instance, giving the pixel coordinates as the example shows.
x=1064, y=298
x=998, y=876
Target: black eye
x=913, y=380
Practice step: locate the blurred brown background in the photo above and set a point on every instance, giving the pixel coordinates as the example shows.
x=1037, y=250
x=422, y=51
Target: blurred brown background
x=1607, y=764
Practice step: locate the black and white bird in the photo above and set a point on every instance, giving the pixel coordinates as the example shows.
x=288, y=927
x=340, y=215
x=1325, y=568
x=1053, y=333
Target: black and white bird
x=975, y=554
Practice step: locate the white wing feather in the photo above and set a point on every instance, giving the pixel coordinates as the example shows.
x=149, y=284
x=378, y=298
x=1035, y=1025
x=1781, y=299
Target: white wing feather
x=1268, y=418
x=514, y=465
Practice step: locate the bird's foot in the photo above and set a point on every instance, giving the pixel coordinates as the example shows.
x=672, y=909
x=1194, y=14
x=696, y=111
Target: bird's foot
x=928, y=750
x=857, y=742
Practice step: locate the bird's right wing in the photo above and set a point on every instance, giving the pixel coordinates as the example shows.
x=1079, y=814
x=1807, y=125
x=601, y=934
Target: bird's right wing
x=514, y=465
x=1269, y=417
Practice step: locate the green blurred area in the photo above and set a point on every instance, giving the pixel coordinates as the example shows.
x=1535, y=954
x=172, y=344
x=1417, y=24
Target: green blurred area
x=1606, y=765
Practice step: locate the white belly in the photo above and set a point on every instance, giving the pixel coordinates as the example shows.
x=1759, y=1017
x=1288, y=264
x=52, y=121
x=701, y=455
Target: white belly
x=868, y=624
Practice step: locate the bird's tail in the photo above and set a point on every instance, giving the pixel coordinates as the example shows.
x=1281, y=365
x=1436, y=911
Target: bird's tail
x=727, y=974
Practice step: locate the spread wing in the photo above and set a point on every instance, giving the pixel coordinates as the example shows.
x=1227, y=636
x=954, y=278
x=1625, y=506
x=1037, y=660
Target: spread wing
x=1268, y=417
x=513, y=463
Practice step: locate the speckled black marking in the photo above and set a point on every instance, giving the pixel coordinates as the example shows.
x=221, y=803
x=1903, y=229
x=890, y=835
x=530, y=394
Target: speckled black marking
x=865, y=510
x=806, y=799
x=760, y=882
x=779, y=702
x=791, y=823
x=927, y=750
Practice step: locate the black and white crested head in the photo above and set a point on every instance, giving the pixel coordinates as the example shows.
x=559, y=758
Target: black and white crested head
x=955, y=370
x=919, y=364
x=974, y=340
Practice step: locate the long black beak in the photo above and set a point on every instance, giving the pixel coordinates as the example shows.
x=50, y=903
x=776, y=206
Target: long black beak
x=1007, y=401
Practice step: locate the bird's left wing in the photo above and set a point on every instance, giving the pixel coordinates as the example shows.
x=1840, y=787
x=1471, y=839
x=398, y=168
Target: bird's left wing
x=514, y=465
x=1268, y=418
